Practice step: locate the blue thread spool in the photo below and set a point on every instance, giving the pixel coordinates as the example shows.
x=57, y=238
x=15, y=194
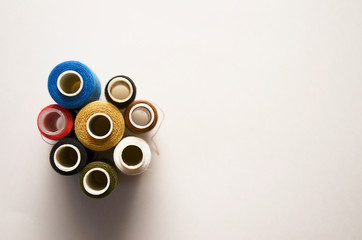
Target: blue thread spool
x=73, y=85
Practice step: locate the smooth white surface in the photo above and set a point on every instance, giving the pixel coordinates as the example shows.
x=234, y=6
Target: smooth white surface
x=263, y=110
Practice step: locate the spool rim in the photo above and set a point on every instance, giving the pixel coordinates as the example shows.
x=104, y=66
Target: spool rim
x=59, y=165
x=89, y=128
x=42, y=124
x=150, y=110
x=89, y=189
x=61, y=78
x=116, y=80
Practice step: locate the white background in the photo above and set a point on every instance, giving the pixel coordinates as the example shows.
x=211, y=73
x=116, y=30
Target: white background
x=262, y=136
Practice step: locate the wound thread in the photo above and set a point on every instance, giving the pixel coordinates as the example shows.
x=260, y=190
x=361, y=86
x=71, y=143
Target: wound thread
x=120, y=91
x=141, y=116
x=55, y=122
x=68, y=156
x=99, y=126
x=72, y=85
x=98, y=179
x=132, y=155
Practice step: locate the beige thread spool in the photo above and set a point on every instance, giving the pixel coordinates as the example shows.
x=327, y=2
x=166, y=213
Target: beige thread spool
x=141, y=116
x=99, y=126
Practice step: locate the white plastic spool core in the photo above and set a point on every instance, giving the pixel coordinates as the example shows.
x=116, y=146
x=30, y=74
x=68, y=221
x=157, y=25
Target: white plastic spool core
x=52, y=121
x=120, y=89
x=141, y=115
x=67, y=157
x=70, y=83
x=99, y=126
x=96, y=181
x=132, y=157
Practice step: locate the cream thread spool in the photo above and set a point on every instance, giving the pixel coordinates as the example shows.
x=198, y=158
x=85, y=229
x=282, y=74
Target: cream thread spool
x=132, y=155
x=99, y=126
x=141, y=116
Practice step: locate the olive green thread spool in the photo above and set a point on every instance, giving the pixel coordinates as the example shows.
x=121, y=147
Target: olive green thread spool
x=98, y=179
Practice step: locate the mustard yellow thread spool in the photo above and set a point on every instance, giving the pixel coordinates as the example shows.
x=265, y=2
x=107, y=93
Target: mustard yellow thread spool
x=99, y=126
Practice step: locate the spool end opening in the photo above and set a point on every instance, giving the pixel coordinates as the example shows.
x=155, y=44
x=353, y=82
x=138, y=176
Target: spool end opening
x=142, y=116
x=67, y=157
x=132, y=156
x=70, y=83
x=96, y=181
x=99, y=126
x=52, y=121
x=120, y=90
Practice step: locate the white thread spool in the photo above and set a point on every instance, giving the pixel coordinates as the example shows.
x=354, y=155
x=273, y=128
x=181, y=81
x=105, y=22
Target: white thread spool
x=99, y=126
x=132, y=155
x=96, y=181
x=67, y=157
x=70, y=83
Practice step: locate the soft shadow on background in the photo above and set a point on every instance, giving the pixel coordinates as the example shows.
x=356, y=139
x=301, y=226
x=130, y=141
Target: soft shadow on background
x=106, y=218
x=264, y=110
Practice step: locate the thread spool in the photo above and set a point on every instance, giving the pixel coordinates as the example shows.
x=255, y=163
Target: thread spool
x=120, y=91
x=72, y=85
x=141, y=116
x=68, y=156
x=98, y=179
x=55, y=122
x=132, y=155
x=99, y=126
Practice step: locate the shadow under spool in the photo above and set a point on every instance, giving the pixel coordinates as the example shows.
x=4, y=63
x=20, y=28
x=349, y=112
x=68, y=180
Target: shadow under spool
x=141, y=116
x=99, y=126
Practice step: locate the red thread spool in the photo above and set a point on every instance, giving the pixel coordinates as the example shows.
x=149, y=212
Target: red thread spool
x=55, y=122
